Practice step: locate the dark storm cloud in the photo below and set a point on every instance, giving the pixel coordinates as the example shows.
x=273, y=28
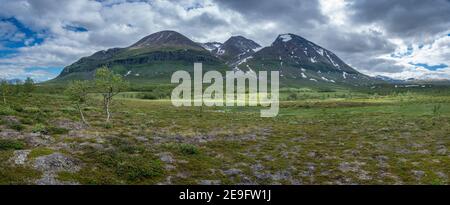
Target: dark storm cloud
x=369, y=42
x=206, y=20
x=305, y=18
x=374, y=64
x=403, y=17
x=291, y=12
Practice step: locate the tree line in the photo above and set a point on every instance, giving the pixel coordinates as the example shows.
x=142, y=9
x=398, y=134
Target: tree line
x=17, y=87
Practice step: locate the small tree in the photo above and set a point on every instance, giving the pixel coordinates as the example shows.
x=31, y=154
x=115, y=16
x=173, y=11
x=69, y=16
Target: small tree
x=78, y=93
x=28, y=86
x=6, y=89
x=109, y=85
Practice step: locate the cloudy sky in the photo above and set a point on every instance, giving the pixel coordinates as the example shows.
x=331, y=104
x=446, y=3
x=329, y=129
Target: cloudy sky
x=401, y=39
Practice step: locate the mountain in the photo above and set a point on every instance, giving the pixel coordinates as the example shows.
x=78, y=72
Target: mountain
x=164, y=40
x=235, y=49
x=389, y=79
x=303, y=62
x=153, y=58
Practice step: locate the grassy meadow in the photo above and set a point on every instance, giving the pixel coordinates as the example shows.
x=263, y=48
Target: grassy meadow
x=334, y=136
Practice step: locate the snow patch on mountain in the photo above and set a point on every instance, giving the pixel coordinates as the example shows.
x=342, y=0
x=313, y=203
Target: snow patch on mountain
x=210, y=46
x=220, y=51
x=318, y=50
x=331, y=61
x=244, y=60
x=285, y=37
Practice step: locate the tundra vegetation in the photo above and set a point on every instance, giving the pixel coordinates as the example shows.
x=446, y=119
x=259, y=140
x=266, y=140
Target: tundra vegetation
x=383, y=135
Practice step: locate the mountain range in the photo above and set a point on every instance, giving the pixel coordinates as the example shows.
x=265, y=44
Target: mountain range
x=155, y=57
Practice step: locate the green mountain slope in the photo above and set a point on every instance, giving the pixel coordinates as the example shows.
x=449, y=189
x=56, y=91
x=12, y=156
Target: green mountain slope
x=153, y=58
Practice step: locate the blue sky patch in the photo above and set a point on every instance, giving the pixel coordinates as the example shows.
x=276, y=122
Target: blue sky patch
x=430, y=67
x=53, y=70
x=7, y=52
x=75, y=28
x=30, y=37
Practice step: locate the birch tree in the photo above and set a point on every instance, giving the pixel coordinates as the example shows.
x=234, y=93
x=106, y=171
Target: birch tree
x=109, y=85
x=78, y=93
x=6, y=89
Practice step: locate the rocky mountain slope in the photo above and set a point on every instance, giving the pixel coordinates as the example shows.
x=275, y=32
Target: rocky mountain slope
x=300, y=60
x=235, y=49
x=154, y=58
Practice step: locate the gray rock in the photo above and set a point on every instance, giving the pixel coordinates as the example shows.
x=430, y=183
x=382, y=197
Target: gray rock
x=209, y=182
x=166, y=157
x=442, y=150
x=141, y=139
x=10, y=134
x=20, y=156
x=424, y=151
x=37, y=139
x=169, y=167
x=69, y=124
x=183, y=175
x=347, y=167
x=10, y=119
x=51, y=164
x=232, y=172
x=442, y=175
x=311, y=154
x=56, y=162
x=418, y=174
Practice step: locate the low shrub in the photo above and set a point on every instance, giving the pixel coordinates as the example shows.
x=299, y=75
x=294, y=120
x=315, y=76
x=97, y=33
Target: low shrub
x=39, y=128
x=6, y=110
x=9, y=144
x=16, y=126
x=31, y=110
x=137, y=168
x=57, y=130
x=188, y=149
x=68, y=110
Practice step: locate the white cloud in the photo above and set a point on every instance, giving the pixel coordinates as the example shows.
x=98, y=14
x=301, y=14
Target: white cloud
x=432, y=54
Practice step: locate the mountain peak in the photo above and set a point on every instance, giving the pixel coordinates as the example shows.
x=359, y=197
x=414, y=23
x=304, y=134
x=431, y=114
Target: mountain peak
x=165, y=38
x=235, y=49
x=241, y=43
x=285, y=37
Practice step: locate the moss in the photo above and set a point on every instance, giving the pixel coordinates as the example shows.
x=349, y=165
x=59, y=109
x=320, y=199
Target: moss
x=41, y=151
